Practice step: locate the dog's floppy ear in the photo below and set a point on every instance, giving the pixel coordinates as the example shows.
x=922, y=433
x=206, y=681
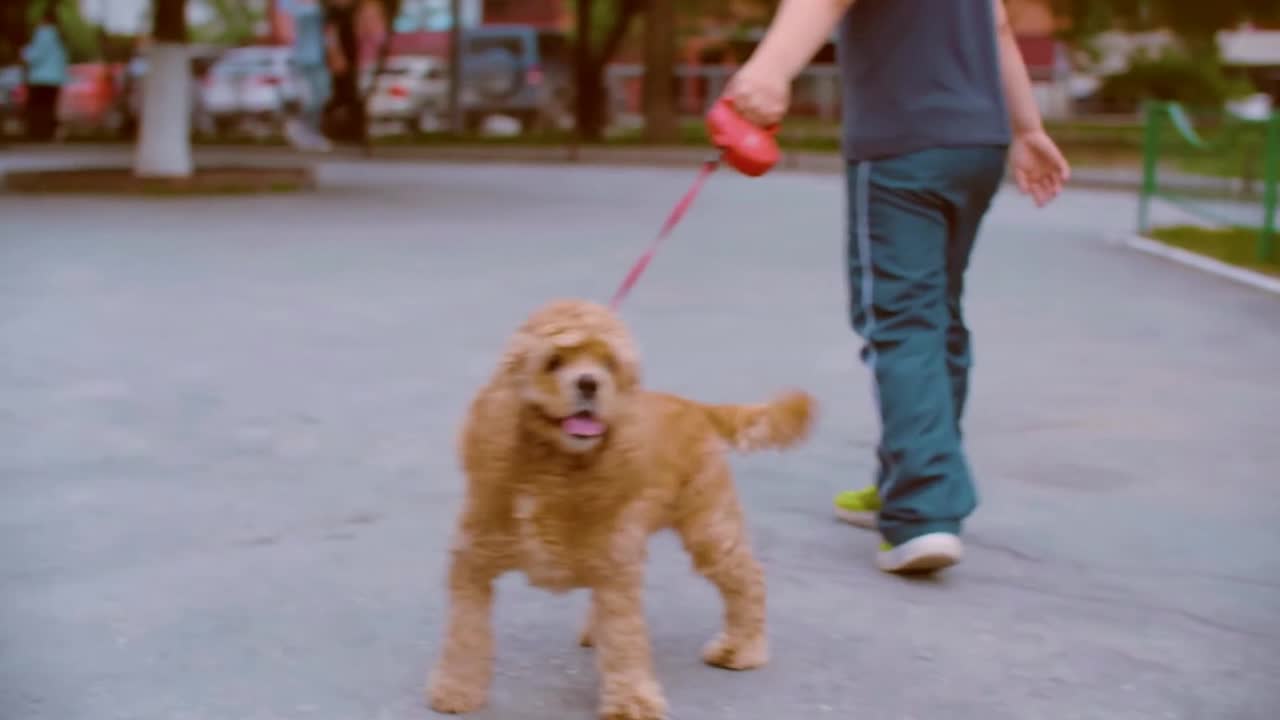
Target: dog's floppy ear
x=626, y=360
x=516, y=354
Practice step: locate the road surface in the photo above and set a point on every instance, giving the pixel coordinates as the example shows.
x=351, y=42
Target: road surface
x=228, y=473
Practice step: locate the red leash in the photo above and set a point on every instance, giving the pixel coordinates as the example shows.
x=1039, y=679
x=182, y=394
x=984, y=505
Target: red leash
x=672, y=220
x=746, y=148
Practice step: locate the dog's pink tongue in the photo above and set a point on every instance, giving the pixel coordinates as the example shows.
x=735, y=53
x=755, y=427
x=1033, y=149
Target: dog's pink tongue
x=582, y=426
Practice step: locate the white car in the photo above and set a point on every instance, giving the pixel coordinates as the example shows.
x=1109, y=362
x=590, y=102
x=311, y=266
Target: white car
x=412, y=91
x=259, y=83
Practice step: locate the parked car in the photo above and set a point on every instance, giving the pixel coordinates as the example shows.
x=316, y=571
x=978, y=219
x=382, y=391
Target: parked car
x=13, y=93
x=250, y=84
x=87, y=103
x=413, y=91
x=518, y=70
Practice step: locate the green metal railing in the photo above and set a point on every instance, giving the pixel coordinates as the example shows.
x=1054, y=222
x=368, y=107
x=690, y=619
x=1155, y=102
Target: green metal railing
x=1211, y=166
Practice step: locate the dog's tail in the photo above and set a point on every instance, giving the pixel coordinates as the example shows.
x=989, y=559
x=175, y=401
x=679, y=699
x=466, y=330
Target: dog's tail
x=780, y=423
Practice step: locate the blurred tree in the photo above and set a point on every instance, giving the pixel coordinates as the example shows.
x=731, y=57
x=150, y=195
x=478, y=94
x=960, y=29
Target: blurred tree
x=610, y=21
x=661, y=116
x=79, y=36
x=1174, y=76
x=14, y=31
x=1192, y=73
x=164, y=141
x=236, y=22
x=1195, y=22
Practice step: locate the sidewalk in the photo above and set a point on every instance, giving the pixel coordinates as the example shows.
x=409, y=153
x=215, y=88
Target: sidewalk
x=1102, y=178
x=229, y=470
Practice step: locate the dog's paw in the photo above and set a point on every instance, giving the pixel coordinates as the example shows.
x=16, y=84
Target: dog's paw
x=723, y=652
x=585, y=639
x=641, y=701
x=451, y=696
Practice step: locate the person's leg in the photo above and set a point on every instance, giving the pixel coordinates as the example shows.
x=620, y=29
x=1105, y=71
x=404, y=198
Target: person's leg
x=306, y=130
x=968, y=186
x=48, y=112
x=319, y=90
x=347, y=106
x=898, y=247
x=30, y=114
x=40, y=111
x=970, y=200
x=54, y=93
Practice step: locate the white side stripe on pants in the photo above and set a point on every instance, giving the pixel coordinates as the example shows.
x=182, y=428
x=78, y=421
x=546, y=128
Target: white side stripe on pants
x=862, y=207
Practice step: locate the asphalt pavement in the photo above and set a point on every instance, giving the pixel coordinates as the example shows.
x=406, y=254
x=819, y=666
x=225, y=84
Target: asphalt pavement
x=226, y=454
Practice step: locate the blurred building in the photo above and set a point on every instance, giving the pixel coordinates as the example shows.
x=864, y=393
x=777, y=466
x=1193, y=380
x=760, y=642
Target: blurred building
x=1255, y=51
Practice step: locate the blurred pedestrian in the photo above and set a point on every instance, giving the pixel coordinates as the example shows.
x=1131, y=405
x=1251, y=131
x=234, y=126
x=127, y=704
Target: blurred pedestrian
x=936, y=101
x=306, y=132
x=371, y=29
x=345, y=112
x=45, y=58
x=356, y=30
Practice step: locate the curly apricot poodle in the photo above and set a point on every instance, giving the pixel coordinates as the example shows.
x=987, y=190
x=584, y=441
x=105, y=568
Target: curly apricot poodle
x=571, y=465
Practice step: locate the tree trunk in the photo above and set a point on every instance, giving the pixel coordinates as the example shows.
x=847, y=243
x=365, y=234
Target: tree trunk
x=661, y=122
x=457, y=124
x=591, y=97
x=13, y=31
x=590, y=65
x=347, y=116
x=164, y=140
x=586, y=80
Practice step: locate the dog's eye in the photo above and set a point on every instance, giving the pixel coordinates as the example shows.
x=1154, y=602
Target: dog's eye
x=553, y=363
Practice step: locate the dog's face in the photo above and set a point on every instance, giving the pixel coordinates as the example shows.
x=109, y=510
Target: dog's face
x=573, y=369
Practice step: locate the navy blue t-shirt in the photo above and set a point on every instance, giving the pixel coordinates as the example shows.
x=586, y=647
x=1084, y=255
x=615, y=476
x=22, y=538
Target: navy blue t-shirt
x=920, y=74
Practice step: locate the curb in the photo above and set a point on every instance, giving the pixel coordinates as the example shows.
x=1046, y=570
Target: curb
x=1255, y=280
x=805, y=162
x=119, y=180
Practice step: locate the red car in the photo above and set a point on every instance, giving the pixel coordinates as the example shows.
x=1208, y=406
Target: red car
x=88, y=99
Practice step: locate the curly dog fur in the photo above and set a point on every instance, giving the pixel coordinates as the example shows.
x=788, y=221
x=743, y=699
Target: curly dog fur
x=570, y=467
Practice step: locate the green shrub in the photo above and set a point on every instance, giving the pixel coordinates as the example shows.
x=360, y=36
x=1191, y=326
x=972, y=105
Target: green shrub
x=1172, y=76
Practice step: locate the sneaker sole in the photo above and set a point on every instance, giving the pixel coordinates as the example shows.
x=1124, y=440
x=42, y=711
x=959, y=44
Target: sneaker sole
x=864, y=519
x=925, y=554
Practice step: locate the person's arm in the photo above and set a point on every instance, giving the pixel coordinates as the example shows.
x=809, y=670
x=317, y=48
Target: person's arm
x=1038, y=166
x=1024, y=113
x=333, y=49
x=798, y=30
x=761, y=90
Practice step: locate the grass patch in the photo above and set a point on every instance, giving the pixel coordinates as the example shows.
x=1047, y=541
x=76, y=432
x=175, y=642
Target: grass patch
x=1236, y=245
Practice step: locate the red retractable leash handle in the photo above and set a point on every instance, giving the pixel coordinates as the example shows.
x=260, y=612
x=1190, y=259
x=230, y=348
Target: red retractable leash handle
x=747, y=148
x=744, y=146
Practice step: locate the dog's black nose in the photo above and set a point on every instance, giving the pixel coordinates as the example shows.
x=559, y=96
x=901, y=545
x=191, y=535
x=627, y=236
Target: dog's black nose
x=587, y=386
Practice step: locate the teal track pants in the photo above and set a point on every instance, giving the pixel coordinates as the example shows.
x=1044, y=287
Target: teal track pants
x=913, y=220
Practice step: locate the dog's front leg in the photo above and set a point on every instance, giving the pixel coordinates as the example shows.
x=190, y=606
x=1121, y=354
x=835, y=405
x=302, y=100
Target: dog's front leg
x=717, y=540
x=629, y=690
x=460, y=681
